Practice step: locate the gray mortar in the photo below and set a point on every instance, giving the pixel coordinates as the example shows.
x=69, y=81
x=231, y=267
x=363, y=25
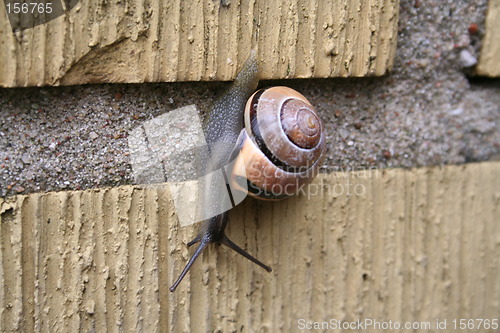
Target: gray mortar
x=425, y=112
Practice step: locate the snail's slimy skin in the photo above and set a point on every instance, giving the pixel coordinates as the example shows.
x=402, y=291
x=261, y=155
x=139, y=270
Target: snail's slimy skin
x=225, y=119
x=222, y=128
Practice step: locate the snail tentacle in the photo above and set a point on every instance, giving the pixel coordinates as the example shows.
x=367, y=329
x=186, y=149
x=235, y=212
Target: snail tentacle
x=226, y=241
x=194, y=241
x=190, y=263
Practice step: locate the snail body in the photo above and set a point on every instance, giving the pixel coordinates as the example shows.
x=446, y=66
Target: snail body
x=273, y=142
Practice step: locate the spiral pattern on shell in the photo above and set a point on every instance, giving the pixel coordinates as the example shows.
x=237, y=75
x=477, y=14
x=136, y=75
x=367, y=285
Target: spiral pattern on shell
x=283, y=143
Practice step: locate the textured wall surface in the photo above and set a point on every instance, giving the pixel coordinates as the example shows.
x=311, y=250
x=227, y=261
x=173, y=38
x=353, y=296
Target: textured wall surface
x=489, y=61
x=174, y=40
x=400, y=245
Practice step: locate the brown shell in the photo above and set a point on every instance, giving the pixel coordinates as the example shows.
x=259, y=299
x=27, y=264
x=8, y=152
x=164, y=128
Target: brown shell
x=276, y=117
x=282, y=146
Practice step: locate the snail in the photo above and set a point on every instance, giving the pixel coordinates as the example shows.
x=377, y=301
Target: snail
x=273, y=141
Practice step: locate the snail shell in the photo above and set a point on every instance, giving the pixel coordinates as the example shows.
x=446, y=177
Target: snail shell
x=281, y=145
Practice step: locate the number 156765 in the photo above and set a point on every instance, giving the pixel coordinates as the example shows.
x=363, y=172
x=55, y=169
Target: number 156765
x=29, y=7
